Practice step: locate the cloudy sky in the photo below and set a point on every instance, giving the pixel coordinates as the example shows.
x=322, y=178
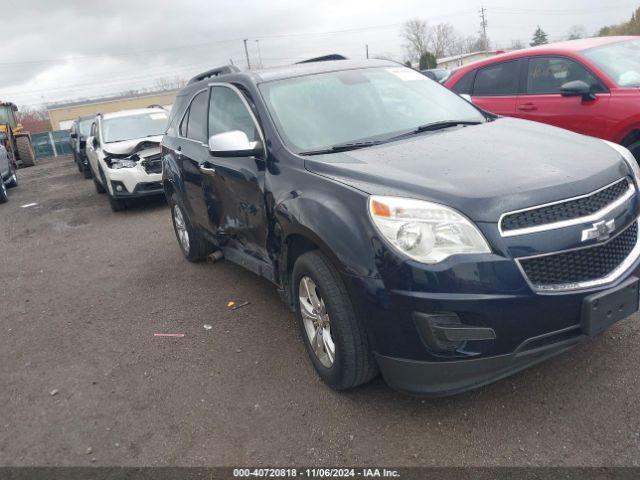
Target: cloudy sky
x=67, y=49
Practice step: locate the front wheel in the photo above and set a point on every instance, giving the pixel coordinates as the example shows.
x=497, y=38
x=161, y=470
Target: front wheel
x=335, y=338
x=117, y=204
x=13, y=180
x=3, y=192
x=193, y=245
x=634, y=148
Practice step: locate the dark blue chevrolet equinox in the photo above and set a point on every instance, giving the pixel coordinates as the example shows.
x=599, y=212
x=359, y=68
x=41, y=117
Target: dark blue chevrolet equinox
x=411, y=233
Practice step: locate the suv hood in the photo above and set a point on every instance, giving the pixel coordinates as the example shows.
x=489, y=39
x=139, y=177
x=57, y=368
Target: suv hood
x=129, y=147
x=483, y=170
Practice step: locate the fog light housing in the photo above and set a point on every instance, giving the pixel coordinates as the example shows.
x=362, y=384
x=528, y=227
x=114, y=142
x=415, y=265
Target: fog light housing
x=445, y=332
x=118, y=186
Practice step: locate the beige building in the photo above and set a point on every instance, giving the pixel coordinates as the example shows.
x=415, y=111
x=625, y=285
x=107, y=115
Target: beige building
x=62, y=114
x=460, y=60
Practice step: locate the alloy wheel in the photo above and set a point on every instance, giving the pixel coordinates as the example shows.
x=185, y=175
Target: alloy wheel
x=181, y=228
x=317, y=323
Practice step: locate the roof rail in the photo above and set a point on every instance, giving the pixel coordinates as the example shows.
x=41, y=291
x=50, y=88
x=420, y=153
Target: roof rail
x=325, y=58
x=214, y=72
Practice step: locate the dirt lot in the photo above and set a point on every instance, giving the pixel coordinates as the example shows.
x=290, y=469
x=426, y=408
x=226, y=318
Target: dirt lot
x=84, y=290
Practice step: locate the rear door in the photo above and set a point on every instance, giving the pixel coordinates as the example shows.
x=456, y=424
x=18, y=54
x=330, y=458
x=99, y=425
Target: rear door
x=234, y=186
x=496, y=86
x=541, y=100
x=191, y=152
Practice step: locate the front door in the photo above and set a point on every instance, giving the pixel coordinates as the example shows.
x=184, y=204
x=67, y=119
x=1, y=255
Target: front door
x=233, y=187
x=542, y=101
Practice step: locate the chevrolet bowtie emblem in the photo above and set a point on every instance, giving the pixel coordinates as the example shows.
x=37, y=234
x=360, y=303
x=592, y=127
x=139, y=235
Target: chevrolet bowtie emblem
x=600, y=231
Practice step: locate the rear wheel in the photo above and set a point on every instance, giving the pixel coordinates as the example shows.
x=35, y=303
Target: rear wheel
x=3, y=192
x=25, y=151
x=86, y=170
x=193, y=245
x=335, y=338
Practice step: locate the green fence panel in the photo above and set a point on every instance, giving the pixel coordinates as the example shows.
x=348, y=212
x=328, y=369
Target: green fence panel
x=61, y=139
x=43, y=146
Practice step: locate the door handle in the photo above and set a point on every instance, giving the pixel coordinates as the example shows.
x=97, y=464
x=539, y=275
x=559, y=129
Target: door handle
x=207, y=169
x=527, y=107
x=179, y=152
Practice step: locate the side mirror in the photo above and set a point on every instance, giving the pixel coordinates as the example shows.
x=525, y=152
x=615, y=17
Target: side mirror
x=73, y=135
x=467, y=97
x=233, y=144
x=577, y=88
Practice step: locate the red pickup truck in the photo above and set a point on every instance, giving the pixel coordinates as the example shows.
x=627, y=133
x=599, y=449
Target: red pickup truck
x=590, y=86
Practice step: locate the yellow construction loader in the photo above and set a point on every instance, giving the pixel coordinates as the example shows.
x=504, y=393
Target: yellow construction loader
x=16, y=141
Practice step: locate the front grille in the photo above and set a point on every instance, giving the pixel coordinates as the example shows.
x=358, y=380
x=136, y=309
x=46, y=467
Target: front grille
x=582, y=265
x=558, y=212
x=145, y=187
x=152, y=164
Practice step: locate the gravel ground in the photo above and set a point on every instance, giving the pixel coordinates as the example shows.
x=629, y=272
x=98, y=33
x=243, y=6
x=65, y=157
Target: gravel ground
x=85, y=382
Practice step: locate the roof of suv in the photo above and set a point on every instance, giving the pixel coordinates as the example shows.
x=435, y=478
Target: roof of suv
x=300, y=69
x=132, y=112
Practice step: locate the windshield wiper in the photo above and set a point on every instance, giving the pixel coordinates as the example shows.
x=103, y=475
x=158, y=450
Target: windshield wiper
x=430, y=127
x=344, y=147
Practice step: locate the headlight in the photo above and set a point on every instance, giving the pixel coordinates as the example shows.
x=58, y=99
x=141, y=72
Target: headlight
x=629, y=158
x=122, y=163
x=425, y=231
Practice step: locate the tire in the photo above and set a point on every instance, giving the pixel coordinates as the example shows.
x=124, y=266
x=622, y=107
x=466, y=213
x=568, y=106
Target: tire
x=25, y=151
x=635, y=149
x=353, y=363
x=79, y=165
x=4, y=198
x=13, y=180
x=194, y=246
x=116, y=204
x=86, y=170
x=99, y=186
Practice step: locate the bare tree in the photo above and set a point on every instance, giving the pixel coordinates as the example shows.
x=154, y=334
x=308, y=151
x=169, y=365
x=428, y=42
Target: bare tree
x=463, y=45
x=576, y=32
x=417, y=37
x=443, y=38
x=516, y=45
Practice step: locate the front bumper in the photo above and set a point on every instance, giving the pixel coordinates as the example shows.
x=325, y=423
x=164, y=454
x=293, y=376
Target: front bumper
x=133, y=182
x=527, y=327
x=450, y=377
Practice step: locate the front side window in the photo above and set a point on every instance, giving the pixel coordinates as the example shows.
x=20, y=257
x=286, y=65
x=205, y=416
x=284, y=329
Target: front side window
x=497, y=80
x=548, y=74
x=120, y=129
x=322, y=110
x=465, y=84
x=194, y=124
x=227, y=112
x=620, y=60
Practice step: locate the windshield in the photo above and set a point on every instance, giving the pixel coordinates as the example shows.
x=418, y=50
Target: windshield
x=320, y=111
x=621, y=61
x=6, y=116
x=85, y=126
x=135, y=126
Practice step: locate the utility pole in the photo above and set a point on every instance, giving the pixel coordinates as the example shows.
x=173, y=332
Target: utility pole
x=483, y=26
x=246, y=52
x=259, y=54
x=366, y=47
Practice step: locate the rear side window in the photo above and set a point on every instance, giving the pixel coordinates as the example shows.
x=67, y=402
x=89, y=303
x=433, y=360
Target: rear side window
x=465, y=84
x=194, y=124
x=496, y=80
x=548, y=74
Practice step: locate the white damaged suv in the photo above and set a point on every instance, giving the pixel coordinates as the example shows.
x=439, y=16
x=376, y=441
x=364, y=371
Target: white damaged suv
x=123, y=149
